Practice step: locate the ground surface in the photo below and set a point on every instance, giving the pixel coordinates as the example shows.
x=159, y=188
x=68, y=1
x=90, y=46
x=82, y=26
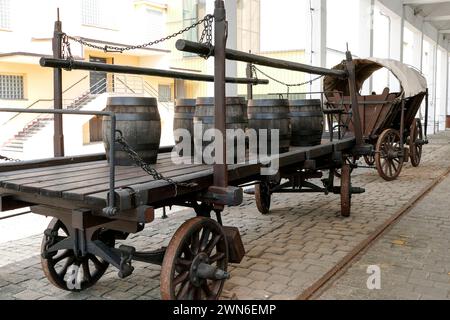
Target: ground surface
x=290, y=249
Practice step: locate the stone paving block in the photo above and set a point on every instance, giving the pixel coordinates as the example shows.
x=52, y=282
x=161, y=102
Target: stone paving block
x=279, y=279
x=28, y=295
x=277, y=288
x=261, y=267
x=240, y=281
x=257, y=275
x=11, y=289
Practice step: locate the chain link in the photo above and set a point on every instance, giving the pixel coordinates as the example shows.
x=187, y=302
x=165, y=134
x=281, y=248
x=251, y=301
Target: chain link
x=133, y=155
x=256, y=70
x=7, y=159
x=206, y=36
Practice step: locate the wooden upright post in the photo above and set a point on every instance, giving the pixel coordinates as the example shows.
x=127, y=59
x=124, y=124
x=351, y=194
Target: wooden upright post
x=354, y=97
x=220, y=39
x=249, y=72
x=58, y=138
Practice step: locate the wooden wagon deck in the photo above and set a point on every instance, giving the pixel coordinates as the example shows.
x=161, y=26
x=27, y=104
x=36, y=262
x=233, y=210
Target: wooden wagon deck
x=88, y=182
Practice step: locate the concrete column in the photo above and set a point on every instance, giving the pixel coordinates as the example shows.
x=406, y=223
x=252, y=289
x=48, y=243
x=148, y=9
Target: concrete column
x=402, y=35
x=231, y=66
x=316, y=40
x=366, y=24
x=366, y=11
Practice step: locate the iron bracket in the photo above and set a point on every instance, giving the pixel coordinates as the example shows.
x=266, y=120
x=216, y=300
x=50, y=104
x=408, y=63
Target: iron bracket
x=229, y=196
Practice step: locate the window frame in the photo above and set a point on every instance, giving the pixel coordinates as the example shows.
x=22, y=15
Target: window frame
x=21, y=95
x=161, y=98
x=7, y=5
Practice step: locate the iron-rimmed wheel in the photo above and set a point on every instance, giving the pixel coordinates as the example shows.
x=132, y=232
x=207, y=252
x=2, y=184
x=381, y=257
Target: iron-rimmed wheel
x=63, y=268
x=415, y=145
x=346, y=195
x=389, y=155
x=263, y=197
x=195, y=262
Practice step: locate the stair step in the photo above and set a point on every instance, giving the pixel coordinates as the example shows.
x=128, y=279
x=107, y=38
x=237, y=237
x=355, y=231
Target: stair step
x=12, y=148
x=15, y=143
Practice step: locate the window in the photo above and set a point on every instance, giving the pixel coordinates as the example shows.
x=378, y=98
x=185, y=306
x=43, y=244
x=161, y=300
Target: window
x=90, y=12
x=193, y=10
x=11, y=87
x=97, y=13
x=164, y=93
x=155, y=23
x=248, y=25
x=5, y=12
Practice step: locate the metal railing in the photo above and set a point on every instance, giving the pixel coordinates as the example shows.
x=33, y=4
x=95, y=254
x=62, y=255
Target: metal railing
x=47, y=100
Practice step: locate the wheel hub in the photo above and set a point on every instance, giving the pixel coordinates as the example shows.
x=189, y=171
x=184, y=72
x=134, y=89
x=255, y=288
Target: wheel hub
x=201, y=258
x=202, y=270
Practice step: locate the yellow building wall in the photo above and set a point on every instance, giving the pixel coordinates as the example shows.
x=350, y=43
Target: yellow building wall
x=38, y=85
x=285, y=76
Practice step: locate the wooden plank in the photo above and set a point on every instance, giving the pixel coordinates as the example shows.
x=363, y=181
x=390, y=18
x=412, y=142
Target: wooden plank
x=25, y=172
x=34, y=183
x=36, y=171
x=14, y=181
x=345, y=144
x=44, y=163
x=103, y=184
x=81, y=193
x=161, y=190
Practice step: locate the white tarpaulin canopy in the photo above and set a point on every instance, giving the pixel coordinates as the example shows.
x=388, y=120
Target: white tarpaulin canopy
x=411, y=80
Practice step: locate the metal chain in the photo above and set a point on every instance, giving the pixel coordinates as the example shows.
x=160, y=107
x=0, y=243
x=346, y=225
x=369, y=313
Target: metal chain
x=7, y=159
x=137, y=159
x=289, y=85
x=207, y=21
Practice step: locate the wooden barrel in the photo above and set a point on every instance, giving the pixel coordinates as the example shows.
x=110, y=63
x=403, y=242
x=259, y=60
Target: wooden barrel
x=139, y=121
x=271, y=114
x=184, y=116
x=236, y=116
x=306, y=122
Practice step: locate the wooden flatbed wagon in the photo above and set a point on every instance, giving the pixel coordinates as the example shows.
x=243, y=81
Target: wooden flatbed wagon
x=388, y=119
x=95, y=203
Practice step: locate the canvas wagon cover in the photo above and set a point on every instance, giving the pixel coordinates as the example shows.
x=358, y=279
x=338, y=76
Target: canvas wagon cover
x=411, y=80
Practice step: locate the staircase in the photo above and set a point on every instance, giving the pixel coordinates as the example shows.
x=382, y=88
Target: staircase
x=14, y=146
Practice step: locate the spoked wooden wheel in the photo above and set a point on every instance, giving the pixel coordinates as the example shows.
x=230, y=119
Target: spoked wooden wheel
x=262, y=197
x=63, y=268
x=346, y=195
x=415, y=145
x=389, y=156
x=195, y=262
x=370, y=160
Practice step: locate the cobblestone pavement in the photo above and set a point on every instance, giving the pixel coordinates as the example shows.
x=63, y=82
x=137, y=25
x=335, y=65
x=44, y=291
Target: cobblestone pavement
x=287, y=251
x=414, y=256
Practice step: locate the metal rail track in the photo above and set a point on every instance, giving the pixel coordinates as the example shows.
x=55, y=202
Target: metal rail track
x=325, y=282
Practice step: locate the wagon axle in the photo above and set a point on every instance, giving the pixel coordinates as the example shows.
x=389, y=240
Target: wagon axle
x=202, y=270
